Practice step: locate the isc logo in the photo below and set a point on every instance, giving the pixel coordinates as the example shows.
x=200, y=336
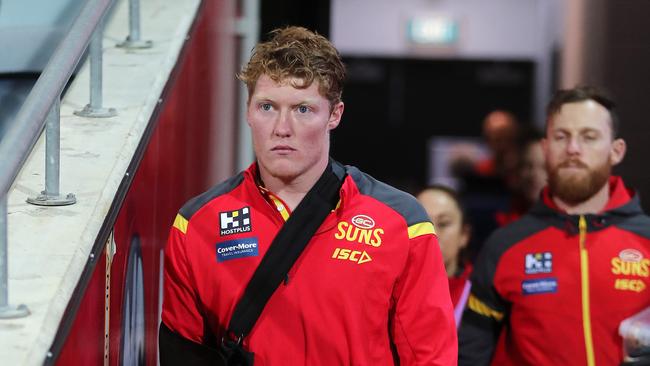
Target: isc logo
x=627, y=284
x=359, y=257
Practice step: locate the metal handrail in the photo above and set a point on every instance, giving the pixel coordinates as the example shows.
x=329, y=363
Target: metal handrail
x=26, y=128
x=41, y=105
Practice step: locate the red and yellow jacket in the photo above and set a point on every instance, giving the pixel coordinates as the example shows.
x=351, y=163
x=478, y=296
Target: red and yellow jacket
x=371, y=277
x=553, y=288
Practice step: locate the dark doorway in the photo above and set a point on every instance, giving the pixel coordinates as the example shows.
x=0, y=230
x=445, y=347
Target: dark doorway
x=393, y=107
x=313, y=15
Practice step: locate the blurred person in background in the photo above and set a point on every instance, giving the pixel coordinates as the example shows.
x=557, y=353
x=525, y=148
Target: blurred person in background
x=532, y=171
x=488, y=186
x=500, y=131
x=553, y=287
x=531, y=178
x=446, y=212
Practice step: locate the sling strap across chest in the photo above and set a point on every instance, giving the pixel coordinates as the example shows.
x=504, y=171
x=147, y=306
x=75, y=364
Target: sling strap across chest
x=285, y=249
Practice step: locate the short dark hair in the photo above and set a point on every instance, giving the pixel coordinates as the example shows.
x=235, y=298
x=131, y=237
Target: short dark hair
x=582, y=93
x=463, y=255
x=453, y=194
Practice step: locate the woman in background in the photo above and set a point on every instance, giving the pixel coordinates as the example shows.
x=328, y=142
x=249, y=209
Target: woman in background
x=446, y=212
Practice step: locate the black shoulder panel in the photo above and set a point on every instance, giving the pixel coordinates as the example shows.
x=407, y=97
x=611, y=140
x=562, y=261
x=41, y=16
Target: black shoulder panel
x=197, y=202
x=638, y=224
x=498, y=243
x=402, y=202
x=505, y=237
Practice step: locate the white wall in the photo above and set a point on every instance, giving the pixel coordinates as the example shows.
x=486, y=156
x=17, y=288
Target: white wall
x=489, y=29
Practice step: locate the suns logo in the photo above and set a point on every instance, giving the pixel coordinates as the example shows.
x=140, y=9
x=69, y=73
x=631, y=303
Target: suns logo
x=630, y=262
x=360, y=229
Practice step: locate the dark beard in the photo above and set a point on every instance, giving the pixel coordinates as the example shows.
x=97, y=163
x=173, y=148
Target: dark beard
x=576, y=189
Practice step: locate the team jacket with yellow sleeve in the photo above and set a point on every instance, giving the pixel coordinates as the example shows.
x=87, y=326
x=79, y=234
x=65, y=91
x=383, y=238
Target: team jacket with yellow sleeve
x=370, y=280
x=553, y=288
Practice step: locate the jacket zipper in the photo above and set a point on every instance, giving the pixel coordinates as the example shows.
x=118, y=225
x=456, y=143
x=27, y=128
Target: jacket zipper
x=584, y=277
x=281, y=208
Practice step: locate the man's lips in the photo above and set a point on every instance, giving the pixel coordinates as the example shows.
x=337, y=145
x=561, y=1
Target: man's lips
x=282, y=148
x=574, y=165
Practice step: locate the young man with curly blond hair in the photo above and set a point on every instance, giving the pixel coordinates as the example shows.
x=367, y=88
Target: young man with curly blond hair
x=369, y=288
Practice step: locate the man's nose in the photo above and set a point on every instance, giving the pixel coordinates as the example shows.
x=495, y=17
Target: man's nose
x=282, y=126
x=573, y=146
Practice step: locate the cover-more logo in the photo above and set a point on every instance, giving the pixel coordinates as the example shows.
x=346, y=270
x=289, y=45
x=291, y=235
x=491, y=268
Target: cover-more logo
x=235, y=222
x=238, y=248
x=539, y=263
x=539, y=286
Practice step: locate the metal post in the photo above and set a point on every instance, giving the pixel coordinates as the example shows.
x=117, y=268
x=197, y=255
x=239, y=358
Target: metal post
x=134, y=19
x=52, y=149
x=6, y=311
x=95, y=109
x=50, y=196
x=133, y=41
x=248, y=28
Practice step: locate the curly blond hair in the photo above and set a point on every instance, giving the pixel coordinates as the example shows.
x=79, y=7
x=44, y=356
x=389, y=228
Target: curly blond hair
x=296, y=52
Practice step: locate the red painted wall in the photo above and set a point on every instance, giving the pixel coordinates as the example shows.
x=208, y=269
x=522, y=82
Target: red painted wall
x=176, y=165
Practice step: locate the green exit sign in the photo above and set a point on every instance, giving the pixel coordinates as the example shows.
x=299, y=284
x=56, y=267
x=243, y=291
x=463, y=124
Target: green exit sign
x=433, y=30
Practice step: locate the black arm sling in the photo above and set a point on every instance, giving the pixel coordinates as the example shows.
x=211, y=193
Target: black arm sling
x=285, y=249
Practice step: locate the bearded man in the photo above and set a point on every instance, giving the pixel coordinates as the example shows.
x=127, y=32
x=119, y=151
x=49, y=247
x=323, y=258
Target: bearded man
x=553, y=287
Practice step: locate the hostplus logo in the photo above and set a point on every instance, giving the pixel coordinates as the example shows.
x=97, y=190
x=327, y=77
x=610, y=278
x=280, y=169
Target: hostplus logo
x=235, y=222
x=539, y=263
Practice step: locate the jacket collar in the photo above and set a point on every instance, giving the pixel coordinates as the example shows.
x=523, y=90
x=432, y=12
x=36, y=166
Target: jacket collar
x=252, y=173
x=623, y=203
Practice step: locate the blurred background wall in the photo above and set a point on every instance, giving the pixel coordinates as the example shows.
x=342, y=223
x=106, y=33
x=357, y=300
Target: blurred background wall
x=508, y=54
x=421, y=69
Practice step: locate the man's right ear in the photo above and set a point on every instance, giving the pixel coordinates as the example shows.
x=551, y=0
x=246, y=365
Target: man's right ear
x=335, y=116
x=619, y=147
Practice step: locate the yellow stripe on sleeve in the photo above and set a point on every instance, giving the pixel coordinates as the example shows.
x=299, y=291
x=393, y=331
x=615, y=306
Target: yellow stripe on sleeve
x=422, y=228
x=180, y=223
x=479, y=307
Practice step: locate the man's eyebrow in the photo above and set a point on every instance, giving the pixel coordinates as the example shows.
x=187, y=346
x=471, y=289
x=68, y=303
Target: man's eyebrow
x=310, y=101
x=264, y=100
x=581, y=130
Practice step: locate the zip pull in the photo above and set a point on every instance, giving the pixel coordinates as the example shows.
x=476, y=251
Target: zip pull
x=582, y=227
